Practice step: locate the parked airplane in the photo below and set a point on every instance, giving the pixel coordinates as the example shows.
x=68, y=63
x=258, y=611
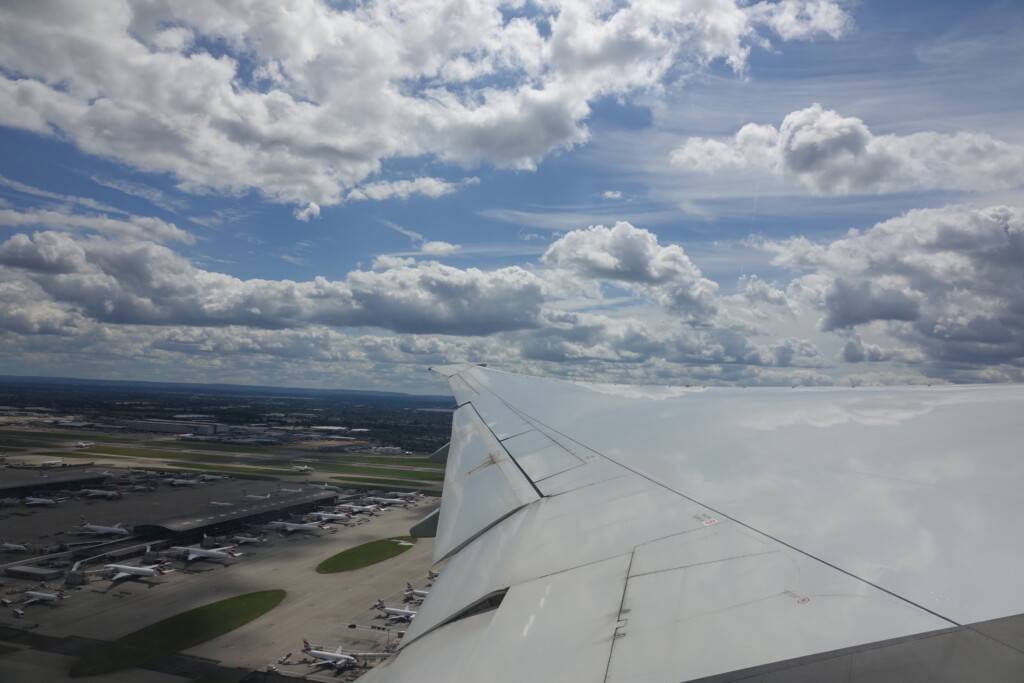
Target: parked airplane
x=102, y=493
x=253, y=496
x=432, y=576
x=409, y=590
x=281, y=489
x=334, y=659
x=324, y=487
x=256, y=540
x=206, y=553
x=387, y=502
x=331, y=517
x=211, y=477
x=32, y=597
x=124, y=571
x=220, y=504
x=289, y=527
x=394, y=613
x=404, y=495
x=116, y=530
x=13, y=547
x=52, y=463
x=177, y=481
x=365, y=509
x=85, y=444
x=302, y=468
x=32, y=500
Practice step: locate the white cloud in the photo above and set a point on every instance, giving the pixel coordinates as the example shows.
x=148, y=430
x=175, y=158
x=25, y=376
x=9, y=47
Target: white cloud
x=944, y=282
x=632, y=257
x=304, y=101
x=403, y=189
x=312, y=210
x=148, y=284
x=439, y=248
x=138, y=227
x=836, y=155
x=611, y=194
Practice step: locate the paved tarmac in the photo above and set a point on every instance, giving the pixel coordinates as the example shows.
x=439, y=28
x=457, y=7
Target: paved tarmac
x=317, y=607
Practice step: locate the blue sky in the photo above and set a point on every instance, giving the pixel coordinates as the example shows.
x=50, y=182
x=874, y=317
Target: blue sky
x=336, y=195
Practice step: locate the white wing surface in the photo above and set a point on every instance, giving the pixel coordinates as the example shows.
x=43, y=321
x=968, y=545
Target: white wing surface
x=623, y=534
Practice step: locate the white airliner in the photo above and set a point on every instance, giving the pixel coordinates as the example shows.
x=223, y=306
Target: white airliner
x=219, y=504
x=32, y=500
x=332, y=517
x=253, y=496
x=324, y=487
x=335, y=659
x=432, y=576
x=604, y=532
x=302, y=468
x=52, y=463
x=403, y=495
x=395, y=613
x=177, y=481
x=281, y=489
x=101, y=493
x=361, y=509
x=387, y=502
x=13, y=547
x=409, y=590
x=289, y=527
x=124, y=571
x=255, y=540
x=85, y=444
x=207, y=553
x=116, y=530
x=32, y=597
x=211, y=477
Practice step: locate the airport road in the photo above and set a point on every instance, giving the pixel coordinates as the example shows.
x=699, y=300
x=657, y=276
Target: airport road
x=318, y=606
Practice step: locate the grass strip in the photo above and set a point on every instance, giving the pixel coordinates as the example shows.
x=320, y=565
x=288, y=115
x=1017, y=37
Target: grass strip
x=389, y=460
x=153, y=453
x=203, y=446
x=61, y=436
x=177, y=633
x=384, y=472
x=365, y=555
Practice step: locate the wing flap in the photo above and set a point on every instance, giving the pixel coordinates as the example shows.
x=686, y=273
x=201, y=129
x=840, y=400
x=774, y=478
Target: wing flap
x=482, y=484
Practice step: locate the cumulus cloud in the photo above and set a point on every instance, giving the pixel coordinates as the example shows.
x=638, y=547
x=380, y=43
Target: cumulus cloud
x=835, y=155
x=946, y=282
x=403, y=189
x=145, y=283
x=310, y=120
x=312, y=210
x=632, y=257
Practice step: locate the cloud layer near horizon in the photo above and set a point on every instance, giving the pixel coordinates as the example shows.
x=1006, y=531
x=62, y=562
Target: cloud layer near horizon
x=938, y=290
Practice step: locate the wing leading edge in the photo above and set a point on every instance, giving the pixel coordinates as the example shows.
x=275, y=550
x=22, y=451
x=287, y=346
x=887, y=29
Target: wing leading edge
x=605, y=533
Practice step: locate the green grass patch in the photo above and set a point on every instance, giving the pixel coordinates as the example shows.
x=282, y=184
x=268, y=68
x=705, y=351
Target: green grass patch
x=177, y=633
x=203, y=446
x=5, y=648
x=386, y=472
x=388, y=460
x=365, y=555
x=76, y=455
x=61, y=436
x=153, y=453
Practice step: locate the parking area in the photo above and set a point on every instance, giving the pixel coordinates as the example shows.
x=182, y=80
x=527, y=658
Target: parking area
x=318, y=607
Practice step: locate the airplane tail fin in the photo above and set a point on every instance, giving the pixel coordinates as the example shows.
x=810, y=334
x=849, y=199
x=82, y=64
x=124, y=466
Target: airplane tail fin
x=60, y=595
x=306, y=646
x=408, y=587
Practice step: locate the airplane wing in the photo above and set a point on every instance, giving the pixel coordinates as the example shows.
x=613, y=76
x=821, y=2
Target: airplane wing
x=121, y=575
x=29, y=601
x=617, y=533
